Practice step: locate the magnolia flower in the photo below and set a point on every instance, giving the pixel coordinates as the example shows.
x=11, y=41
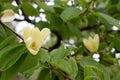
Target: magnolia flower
x=34, y=38
x=92, y=43
x=8, y=15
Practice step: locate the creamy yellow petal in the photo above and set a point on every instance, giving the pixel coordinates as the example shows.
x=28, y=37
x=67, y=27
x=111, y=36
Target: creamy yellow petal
x=96, y=41
x=34, y=38
x=44, y=33
x=26, y=33
x=28, y=43
x=35, y=34
x=8, y=15
x=92, y=43
x=88, y=45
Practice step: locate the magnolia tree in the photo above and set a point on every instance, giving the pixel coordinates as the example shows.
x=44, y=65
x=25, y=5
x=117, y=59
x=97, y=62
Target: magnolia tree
x=76, y=40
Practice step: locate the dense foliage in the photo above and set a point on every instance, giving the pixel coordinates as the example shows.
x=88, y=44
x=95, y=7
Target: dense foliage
x=64, y=56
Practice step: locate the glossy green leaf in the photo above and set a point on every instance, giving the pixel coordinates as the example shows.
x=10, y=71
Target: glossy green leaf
x=70, y=13
x=63, y=65
x=109, y=19
x=59, y=54
x=7, y=41
x=29, y=9
x=115, y=41
x=9, y=55
x=74, y=67
x=44, y=56
x=45, y=7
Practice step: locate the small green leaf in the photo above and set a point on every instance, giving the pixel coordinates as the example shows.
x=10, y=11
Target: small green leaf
x=115, y=40
x=70, y=13
x=45, y=7
x=83, y=3
x=44, y=56
x=109, y=19
x=74, y=67
x=29, y=9
x=63, y=65
x=58, y=54
x=9, y=55
x=7, y=41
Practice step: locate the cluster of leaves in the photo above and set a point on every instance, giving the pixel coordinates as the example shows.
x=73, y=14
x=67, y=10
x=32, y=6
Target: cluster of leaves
x=66, y=22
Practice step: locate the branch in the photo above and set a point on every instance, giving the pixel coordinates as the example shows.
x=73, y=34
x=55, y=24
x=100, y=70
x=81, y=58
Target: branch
x=25, y=16
x=59, y=38
x=90, y=27
x=11, y=29
x=62, y=73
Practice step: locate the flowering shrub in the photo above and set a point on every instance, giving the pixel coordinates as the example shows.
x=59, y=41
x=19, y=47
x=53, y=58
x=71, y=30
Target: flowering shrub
x=59, y=40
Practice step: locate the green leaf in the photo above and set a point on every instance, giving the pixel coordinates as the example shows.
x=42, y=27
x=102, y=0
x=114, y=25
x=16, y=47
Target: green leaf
x=7, y=75
x=70, y=13
x=74, y=67
x=29, y=9
x=44, y=56
x=3, y=34
x=93, y=71
x=9, y=55
x=80, y=74
x=108, y=18
x=44, y=75
x=115, y=41
x=29, y=64
x=87, y=71
x=7, y=41
x=87, y=61
x=59, y=54
x=63, y=65
x=69, y=66
x=83, y=3
x=45, y=7
x=90, y=78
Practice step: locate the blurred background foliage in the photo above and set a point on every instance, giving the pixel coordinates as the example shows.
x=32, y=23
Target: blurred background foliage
x=64, y=57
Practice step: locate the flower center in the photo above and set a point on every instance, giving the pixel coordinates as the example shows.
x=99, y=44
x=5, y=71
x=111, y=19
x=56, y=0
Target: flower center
x=34, y=46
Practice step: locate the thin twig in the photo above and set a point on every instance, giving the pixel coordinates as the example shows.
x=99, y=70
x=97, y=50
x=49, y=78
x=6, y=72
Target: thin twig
x=25, y=16
x=62, y=73
x=59, y=38
x=11, y=30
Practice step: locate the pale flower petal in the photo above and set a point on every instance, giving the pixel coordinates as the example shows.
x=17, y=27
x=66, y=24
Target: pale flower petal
x=92, y=43
x=8, y=15
x=26, y=33
x=34, y=39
